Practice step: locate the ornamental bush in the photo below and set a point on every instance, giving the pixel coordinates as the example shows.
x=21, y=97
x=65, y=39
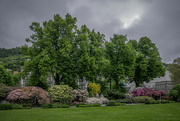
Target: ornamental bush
x=94, y=100
x=164, y=101
x=155, y=102
x=94, y=88
x=175, y=93
x=148, y=92
x=111, y=103
x=61, y=94
x=80, y=95
x=5, y=90
x=26, y=95
x=142, y=99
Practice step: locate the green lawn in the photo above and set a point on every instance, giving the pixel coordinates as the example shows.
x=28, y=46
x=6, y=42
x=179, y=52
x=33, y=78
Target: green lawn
x=153, y=112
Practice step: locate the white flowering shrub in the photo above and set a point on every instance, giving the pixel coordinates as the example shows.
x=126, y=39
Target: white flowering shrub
x=80, y=95
x=95, y=100
x=129, y=95
x=104, y=100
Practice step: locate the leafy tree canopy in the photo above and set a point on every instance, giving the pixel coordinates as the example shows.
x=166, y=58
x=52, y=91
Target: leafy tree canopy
x=148, y=61
x=62, y=50
x=122, y=59
x=174, y=69
x=7, y=78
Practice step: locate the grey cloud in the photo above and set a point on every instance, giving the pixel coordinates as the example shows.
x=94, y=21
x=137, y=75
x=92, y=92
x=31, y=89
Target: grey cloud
x=159, y=20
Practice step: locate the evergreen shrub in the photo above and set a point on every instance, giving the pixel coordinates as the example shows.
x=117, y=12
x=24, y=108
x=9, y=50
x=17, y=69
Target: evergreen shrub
x=113, y=94
x=175, y=92
x=111, y=103
x=142, y=99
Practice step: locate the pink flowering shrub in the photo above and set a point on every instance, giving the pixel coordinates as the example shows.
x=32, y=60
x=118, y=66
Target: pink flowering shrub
x=5, y=90
x=148, y=92
x=33, y=95
x=80, y=95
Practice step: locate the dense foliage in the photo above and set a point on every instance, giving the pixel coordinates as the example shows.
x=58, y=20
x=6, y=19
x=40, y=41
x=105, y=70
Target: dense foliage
x=122, y=60
x=61, y=49
x=70, y=54
x=148, y=61
x=174, y=69
x=175, y=92
x=61, y=94
x=7, y=78
x=6, y=106
x=9, y=52
x=33, y=95
x=113, y=94
x=15, y=62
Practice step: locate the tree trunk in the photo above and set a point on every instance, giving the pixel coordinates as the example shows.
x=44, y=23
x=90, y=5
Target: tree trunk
x=57, y=80
x=110, y=84
x=137, y=84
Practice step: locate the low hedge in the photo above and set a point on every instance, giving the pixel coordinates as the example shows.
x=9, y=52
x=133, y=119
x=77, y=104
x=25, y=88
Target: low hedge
x=142, y=99
x=64, y=106
x=6, y=106
x=82, y=105
x=89, y=105
x=155, y=102
x=17, y=106
x=96, y=105
x=77, y=105
x=164, y=101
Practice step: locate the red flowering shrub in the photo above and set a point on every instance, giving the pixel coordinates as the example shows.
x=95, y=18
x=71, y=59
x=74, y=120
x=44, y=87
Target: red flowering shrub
x=33, y=95
x=148, y=92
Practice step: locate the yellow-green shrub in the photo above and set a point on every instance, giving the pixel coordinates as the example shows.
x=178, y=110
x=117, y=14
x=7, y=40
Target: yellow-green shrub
x=61, y=93
x=94, y=88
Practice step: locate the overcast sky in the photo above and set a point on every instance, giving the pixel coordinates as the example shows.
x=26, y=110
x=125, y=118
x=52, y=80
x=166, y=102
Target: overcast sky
x=159, y=20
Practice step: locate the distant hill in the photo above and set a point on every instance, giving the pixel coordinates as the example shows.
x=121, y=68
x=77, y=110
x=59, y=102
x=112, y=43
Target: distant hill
x=9, y=52
x=12, y=58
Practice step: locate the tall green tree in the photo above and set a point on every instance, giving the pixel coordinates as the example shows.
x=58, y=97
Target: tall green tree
x=60, y=49
x=174, y=69
x=51, y=50
x=91, y=54
x=122, y=59
x=148, y=62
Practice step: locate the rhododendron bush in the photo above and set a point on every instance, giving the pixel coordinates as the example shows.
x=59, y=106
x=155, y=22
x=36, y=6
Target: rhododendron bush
x=5, y=90
x=80, y=95
x=148, y=92
x=61, y=93
x=33, y=95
